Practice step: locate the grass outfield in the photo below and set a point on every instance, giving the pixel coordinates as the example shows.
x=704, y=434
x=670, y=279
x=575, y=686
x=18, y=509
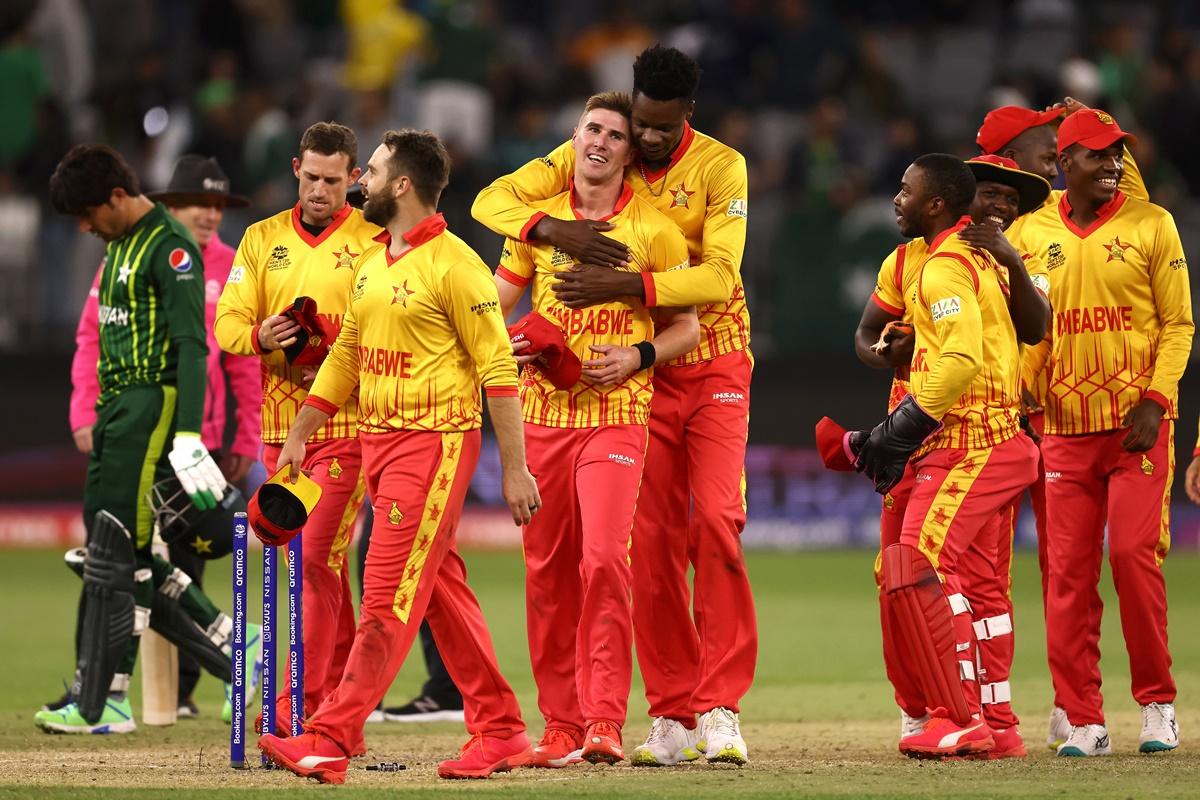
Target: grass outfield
x=819, y=721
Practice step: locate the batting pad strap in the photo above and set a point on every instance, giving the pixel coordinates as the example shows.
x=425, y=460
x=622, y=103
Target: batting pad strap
x=141, y=619
x=992, y=693
x=991, y=627
x=959, y=604
x=175, y=584
x=966, y=670
x=120, y=683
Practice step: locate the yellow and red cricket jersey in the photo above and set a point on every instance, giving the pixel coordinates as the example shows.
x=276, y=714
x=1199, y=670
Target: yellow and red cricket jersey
x=1122, y=312
x=967, y=366
x=422, y=333
x=278, y=261
x=1035, y=372
x=703, y=190
x=896, y=293
x=657, y=246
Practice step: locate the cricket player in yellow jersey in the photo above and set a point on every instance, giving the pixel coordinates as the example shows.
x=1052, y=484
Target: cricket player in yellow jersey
x=700, y=413
x=308, y=250
x=422, y=334
x=961, y=427
x=1003, y=193
x=1122, y=334
x=1030, y=138
x=587, y=445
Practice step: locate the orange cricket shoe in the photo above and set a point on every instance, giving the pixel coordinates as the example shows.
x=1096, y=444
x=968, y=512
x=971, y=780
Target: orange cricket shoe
x=309, y=755
x=484, y=755
x=558, y=748
x=602, y=743
x=1009, y=744
x=944, y=738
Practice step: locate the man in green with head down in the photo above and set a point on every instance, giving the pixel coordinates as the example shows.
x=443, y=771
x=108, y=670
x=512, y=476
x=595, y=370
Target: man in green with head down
x=152, y=386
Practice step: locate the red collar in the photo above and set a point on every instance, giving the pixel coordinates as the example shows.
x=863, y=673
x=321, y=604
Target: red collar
x=334, y=224
x=424, y=231
x=685, y=142
x=1102, y=216
x=963, y=222
x=622, y=200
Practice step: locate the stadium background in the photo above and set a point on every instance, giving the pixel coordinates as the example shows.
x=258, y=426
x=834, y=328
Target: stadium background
x=828, y=101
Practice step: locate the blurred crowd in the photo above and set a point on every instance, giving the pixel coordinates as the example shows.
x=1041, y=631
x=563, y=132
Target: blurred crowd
x=828, y=101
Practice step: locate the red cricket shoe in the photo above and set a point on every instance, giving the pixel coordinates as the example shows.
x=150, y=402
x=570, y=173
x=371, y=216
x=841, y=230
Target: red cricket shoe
x=484, y=755
x=309, y=755
x=944, y=738
x=1008, y=744
x=602, y=743
x=558, y=748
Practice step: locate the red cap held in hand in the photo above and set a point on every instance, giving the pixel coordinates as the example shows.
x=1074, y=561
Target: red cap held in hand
x=833, y=443
x=315, y=337
x=558, y=362
x=279, y=509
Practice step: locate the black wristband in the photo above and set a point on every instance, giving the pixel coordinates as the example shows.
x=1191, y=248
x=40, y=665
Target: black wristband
x=648, y=353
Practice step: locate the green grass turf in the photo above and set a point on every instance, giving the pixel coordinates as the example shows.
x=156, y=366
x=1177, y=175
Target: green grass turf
x=819, y=720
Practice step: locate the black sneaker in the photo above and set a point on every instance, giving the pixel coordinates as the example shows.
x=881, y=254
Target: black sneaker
x=187, y=709
x=55, y=705
x=426, y=709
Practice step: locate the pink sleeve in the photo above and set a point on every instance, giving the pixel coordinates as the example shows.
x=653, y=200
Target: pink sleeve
x=85, y=383
x=243, y=374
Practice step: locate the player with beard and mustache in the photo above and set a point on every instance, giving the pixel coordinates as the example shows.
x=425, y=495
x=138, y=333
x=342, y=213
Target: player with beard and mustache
x=422, y=336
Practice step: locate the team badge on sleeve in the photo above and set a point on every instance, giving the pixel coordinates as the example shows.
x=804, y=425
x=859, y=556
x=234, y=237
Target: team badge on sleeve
x=1041, y=283
x=737, y=208
x=180, y=260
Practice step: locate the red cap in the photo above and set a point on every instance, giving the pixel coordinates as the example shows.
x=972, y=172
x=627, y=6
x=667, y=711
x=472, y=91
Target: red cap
x=558, y=362
x=1002, y=125
x=316, y=335
x=279, y=509
x=1092, y=128
x=833, y=443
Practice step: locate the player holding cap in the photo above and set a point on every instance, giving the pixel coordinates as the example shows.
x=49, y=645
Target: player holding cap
x=702, y=664
x=307, y=251
x=1002, y=194
x=1122, y=333
x=587, y=445
x=422, y=335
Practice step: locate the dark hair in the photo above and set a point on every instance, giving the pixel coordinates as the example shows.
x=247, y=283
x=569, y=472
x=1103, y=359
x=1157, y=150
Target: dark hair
x=329, y=139
x=421, y=156
x=86, y=178
x=664, y=73
x=949, y=178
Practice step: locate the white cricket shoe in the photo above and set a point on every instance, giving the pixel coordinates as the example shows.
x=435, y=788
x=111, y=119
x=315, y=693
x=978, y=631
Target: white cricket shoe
x=911, y=726
x=1060, y=728
x=722, y=735
x=1086, y=740
x=1160, y=731
x=669, y=743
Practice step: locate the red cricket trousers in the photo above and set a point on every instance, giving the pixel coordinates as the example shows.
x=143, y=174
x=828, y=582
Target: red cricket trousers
x=957, y=497
x=336, y=465
x=418, y=481
x=693, y=508
x=985, y=570
x=577, y=574
x=1091, y=480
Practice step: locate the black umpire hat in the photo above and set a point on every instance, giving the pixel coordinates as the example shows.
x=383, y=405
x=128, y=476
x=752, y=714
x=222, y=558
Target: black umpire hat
x=198, y=180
